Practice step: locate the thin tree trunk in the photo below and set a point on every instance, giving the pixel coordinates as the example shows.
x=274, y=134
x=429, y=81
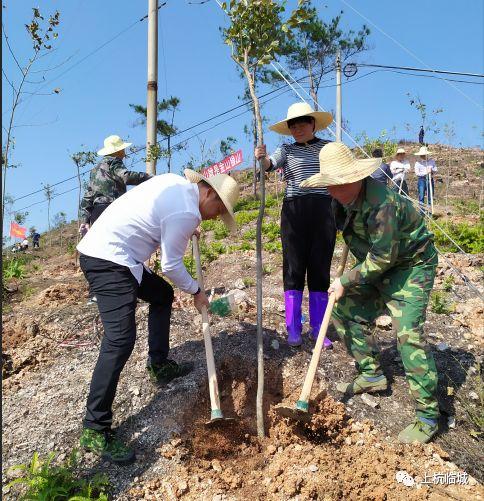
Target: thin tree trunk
x=312, y=87
x=260, y=346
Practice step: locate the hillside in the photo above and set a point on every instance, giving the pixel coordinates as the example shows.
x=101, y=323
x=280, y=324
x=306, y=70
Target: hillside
x=51, y=338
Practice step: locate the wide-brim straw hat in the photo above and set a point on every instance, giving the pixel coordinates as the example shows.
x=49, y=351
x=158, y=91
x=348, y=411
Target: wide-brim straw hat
x=400, y=150
x=227, y=189
x=338, y=165
x=423, y=151
x=322, y=118
x=112, y=144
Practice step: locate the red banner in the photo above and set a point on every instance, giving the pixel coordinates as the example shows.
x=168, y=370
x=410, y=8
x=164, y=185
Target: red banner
x=17, y=230
x=224, y=165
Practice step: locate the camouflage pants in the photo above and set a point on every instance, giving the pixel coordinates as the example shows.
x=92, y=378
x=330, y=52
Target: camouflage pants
x=405, y=292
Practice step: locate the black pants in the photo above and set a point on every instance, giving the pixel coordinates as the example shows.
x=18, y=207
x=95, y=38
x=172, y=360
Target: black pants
x=117, y=291
x=97, y=210
x=308, y=236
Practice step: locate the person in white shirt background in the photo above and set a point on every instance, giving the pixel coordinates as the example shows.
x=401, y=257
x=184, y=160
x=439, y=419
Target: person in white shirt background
x=399, y=168
x=424, y=167
x=164, y=212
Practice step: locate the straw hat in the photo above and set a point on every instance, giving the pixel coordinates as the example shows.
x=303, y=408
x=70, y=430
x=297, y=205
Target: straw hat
x=400, y=150
x=227, y=189
x=423, y=151
x=339, y=166
x=296, y=110
x=112, y=144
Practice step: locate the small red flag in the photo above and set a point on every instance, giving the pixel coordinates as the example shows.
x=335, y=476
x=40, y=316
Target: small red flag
x=17, y=231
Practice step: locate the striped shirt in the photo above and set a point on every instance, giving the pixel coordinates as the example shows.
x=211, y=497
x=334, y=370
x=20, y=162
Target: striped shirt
x=298, y=161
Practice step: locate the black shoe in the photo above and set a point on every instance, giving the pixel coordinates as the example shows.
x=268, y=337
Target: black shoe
x=168, y=370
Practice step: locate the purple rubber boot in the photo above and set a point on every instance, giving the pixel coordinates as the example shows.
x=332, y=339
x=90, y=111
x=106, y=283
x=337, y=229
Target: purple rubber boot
x=317, y=307
x=293, y=300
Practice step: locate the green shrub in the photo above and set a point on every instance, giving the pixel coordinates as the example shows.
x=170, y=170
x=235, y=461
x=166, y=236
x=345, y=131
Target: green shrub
x=43, y=480
x=466, y=207
x=469, y=237
x=190, y=265
x=220, y=231
x=13, y=268
x=245, y=217
x=246, y=246
x=250, y=235
x=208, y=224
x=247, y=203
x=71, y=248
x=212, y=251
x=271, y=231
x=273, y=247
x=440, y=304
x=448, y=283
x=249, y=281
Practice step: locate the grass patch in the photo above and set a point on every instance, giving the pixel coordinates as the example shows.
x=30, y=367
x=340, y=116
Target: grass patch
x=245, y=217
x=440, y=303
x=248, y=281
x=469, y=237
x=220, y=231
x=273, y=247
x=208, y=225
x=448, y=283
x=466, y=207
x=210, y=252
x=249, y=235
x=247, y=203
x=190, y=265
x=271, y=231
x=43, y=480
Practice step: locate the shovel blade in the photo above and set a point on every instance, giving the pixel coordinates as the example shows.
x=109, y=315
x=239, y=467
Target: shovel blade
x=293, y=413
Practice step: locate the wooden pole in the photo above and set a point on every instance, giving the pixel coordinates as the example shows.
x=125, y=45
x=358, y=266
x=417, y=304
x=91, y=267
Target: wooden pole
x=152, y=86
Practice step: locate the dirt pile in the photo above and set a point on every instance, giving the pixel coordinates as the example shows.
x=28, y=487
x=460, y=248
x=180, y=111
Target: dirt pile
x=331, y=457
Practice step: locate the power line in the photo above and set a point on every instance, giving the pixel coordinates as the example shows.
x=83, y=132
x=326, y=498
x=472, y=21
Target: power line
x=409, y=68
x=203, y=122
x=97, y=49
x=285, y=90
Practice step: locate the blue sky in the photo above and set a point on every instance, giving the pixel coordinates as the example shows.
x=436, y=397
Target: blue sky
x=195, y=66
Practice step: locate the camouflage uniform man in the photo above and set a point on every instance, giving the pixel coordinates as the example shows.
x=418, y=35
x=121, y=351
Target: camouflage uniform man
x=396, y=262
x=108, y=181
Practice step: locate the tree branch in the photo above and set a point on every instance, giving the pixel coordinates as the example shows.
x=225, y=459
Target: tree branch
x=10, y=49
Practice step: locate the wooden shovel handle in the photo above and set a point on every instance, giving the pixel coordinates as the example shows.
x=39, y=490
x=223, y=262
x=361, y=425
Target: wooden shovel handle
x=212, y=374
x=313, y=365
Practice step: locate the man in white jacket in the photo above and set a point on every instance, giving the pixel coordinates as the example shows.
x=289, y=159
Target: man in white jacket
x=164, y=212
x=399, y=168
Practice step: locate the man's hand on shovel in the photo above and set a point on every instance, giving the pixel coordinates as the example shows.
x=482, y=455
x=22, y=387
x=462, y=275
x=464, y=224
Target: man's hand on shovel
x=200, y=300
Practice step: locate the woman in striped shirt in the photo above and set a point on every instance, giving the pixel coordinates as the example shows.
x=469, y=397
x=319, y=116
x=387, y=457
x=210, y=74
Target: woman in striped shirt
x=307, y=225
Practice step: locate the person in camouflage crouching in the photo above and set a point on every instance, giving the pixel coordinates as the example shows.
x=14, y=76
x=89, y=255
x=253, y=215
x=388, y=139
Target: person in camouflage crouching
x=107, y=181
x=396, y=263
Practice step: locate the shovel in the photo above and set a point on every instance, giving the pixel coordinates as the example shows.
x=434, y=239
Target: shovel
x=301, y=411
x=216, y=415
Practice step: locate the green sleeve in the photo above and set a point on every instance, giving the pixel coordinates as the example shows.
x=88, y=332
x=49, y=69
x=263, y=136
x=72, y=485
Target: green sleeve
x=383, y=252
x=130, y=177
x=87, y=204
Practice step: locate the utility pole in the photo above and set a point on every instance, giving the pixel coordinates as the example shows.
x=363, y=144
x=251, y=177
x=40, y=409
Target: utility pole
x=152, y=96
x=338, y=96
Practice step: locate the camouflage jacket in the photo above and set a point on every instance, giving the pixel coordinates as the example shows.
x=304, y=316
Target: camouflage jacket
x=107, y=182
x=382, y=230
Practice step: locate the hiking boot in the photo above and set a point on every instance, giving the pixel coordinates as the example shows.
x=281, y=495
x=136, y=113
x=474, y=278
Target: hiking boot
x=167, y=371
x=107, y=446
x=361, y=384
x=419, y=431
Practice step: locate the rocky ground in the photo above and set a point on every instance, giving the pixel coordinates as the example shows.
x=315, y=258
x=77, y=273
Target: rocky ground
x=348, y=451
